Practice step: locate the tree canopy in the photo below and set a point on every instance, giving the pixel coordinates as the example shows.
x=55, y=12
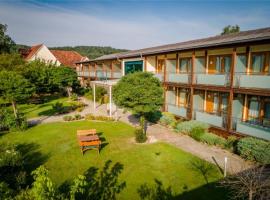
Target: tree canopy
x=139, y=92
x=7, y=45
x=230, y=29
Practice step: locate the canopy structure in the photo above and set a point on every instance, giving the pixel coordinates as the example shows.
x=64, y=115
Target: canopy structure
x=106, y=84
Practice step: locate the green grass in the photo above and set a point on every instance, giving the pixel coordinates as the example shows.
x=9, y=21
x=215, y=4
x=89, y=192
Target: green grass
x=60, y=153
x=45, y=109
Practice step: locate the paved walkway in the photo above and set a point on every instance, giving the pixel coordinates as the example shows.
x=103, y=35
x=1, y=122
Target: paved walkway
x=157, y=132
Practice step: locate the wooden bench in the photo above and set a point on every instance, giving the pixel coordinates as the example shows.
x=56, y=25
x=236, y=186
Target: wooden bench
x=88, y=139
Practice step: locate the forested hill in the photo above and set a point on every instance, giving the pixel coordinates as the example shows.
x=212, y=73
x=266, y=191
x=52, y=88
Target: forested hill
x=90, y=51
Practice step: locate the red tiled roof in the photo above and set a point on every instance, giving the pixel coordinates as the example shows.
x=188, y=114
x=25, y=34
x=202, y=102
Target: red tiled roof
x=32, y=51
x=68, y=58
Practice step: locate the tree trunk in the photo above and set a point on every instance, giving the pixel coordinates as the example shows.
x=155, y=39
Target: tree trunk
x=142, y=123
x=250, y=196
x=14, y=109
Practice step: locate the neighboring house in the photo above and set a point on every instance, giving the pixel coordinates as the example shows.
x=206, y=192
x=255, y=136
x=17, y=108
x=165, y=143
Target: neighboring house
x=57, y=57
x=222, y=80
x=68, y=58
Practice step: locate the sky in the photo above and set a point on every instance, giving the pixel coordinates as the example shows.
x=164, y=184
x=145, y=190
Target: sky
x=127, y=24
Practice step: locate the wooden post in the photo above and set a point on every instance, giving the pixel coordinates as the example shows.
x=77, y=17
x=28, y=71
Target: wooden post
x=177, y=63
x=145, y=64
x=248, y=59
x=245, y=108
x=230, y=105
x=112, y=69
x=165, y=68
x=190, y=113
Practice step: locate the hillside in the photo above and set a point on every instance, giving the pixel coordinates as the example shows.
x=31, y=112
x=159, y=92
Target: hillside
x=90, y=51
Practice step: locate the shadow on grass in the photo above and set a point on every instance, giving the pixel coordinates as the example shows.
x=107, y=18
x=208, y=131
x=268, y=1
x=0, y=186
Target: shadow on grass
x=210, y=191
x=103, y=184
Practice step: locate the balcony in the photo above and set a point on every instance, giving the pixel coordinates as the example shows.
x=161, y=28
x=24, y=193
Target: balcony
x=179, y=78
x=243, y=80
x=179, y=111
x=253, y=128
x=212, y=79
x=212, y=119
x=80, y=73
x=159, y=76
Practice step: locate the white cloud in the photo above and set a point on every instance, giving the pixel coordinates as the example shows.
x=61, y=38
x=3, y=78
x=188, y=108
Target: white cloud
x=58, y=27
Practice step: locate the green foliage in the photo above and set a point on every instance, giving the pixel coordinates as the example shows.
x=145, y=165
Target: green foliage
x=98, y=118
x=103, y=187
x=7, y=45
x=67, y=118
x=254, y=149
x=139, y=92
x=153, y=117
x=140, y=136
x=59, y=108
x=157, y=192
x=212, y=139
x=197, y=132
x=187, y=126
x=202, y=167
x=100, y=93
x=43, y=188
x=168, y=119
x=9, y=122
x=11, y=62
x=78, y=116
x=5, y=191
x=74, y=97
x=230, y=29
x=231, y=143
x=91, y=51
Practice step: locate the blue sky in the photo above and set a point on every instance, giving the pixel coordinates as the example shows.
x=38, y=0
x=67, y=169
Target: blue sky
x=127, y=24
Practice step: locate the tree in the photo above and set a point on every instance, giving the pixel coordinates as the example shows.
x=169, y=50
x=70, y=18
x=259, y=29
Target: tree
x=230, y=29
x=139, y=92
x=64, y=78
x=250, y=184
x=11, y=62
x=14, y=88
x=7, y=45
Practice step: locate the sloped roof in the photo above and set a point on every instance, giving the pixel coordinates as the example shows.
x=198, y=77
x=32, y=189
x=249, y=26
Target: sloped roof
x=233, y=38
x=32, y=51
x=68, y=58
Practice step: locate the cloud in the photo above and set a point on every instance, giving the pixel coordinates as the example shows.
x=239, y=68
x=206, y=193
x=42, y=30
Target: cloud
x=56, y=26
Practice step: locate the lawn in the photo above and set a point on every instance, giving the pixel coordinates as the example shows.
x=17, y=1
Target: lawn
x=44, y=109
x=55, y=146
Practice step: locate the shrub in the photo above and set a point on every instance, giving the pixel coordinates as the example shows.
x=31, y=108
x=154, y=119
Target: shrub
x=78, y=116
x=74, y=97
x=197, y=133
x=231, y=143
x=9, y=122
x=187, y=126
x=254, y=149
x=100, y=92
x=100, y=118
x=140, y=136
x=67, y=118
x=168, y=119
x=212, y=139
x=153, y=116
x=58, y=108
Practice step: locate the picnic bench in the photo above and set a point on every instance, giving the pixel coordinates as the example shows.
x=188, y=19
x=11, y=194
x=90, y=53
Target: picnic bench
x=88, y=139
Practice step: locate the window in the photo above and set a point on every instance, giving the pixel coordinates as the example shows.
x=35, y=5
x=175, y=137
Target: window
x=185, y=65
x=219, y=64
x=241, y=63
x=200, y=64
x=266, y=118
x=182, y=97
x=254, y=109
x=258, y=61
x=160, y=66
x=224, y=103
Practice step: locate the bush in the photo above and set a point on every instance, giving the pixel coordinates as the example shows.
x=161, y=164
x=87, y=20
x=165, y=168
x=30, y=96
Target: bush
x=254, y=149
x=231, y=143
x=100, y=118
x=153, y=116
x=78, y=116
x=140, y=136
x=168, y=119
x=67, y=118
x=74, y=97
x=187, y=126
x=58, y=108
x=197, y=133
x=9, y=122
x=212, y=139
x=100, y=92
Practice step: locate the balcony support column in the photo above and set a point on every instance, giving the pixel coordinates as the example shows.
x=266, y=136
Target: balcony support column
x=190, y=106
x=111, y=67
x=230, y=105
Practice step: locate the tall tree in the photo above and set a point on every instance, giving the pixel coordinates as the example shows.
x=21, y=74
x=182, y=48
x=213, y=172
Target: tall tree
x=64, y=78
x=139, y=92
x=14, y=88
x=11, y=62
x=7, y=45
x=230, y=29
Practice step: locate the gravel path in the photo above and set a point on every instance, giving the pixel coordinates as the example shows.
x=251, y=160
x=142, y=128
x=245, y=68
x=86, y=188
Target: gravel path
x=157, y=132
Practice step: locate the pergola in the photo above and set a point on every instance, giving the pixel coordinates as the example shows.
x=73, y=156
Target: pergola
x=105, y=84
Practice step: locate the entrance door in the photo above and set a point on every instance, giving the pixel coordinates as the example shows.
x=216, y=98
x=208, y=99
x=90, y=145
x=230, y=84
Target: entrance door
x=133, y=66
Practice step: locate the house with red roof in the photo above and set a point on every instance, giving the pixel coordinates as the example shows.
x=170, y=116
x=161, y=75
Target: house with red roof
x=57, y=57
